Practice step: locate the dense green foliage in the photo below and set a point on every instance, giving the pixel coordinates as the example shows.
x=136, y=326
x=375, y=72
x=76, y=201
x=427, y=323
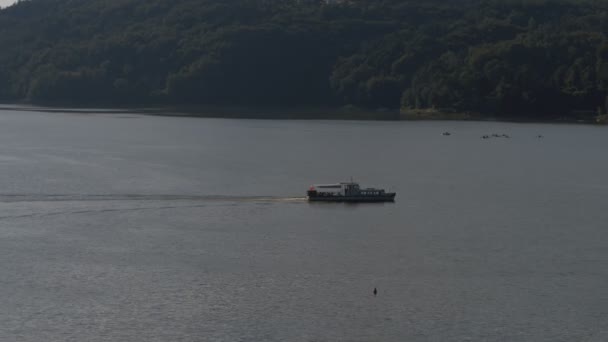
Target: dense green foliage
x=535, y=58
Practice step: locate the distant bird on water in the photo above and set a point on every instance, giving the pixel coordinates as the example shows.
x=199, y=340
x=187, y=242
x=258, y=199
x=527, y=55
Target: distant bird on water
x=375, y=291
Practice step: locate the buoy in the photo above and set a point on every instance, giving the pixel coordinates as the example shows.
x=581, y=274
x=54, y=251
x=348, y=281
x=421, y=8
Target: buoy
x=375, y=291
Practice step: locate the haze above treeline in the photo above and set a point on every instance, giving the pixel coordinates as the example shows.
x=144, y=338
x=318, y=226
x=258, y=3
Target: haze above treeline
x=518, y=58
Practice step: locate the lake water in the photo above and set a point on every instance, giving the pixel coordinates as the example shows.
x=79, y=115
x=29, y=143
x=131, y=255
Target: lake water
x=123, y=227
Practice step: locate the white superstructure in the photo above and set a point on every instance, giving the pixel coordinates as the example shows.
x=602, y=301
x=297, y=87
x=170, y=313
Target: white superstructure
x=336, y=189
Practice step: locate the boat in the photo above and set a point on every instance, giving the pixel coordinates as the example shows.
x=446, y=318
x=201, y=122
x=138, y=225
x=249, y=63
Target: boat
x=347, y=192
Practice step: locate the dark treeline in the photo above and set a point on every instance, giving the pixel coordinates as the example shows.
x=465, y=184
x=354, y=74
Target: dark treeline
x=534, y=58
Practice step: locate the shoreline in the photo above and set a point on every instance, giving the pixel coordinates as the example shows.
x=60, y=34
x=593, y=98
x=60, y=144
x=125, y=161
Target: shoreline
x=302, y=113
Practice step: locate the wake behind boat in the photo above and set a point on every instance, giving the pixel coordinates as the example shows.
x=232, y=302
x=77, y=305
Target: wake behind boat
x=347, y=192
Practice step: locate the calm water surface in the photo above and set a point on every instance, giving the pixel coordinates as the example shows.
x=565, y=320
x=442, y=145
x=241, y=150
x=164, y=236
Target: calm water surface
x=120, y=227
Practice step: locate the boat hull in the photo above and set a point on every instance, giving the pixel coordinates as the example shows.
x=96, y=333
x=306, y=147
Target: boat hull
x=389, y=197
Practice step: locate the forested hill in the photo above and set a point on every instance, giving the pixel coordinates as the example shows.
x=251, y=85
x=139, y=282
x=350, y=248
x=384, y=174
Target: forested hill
x=534, y=58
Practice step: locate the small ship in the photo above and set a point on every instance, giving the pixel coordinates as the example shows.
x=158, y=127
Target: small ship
x=347, y=192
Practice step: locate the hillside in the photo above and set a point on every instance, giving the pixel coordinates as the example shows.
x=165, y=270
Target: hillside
x=536, y=59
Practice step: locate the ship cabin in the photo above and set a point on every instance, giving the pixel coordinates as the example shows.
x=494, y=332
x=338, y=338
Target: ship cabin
x=343, y=189
x=372, y=192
